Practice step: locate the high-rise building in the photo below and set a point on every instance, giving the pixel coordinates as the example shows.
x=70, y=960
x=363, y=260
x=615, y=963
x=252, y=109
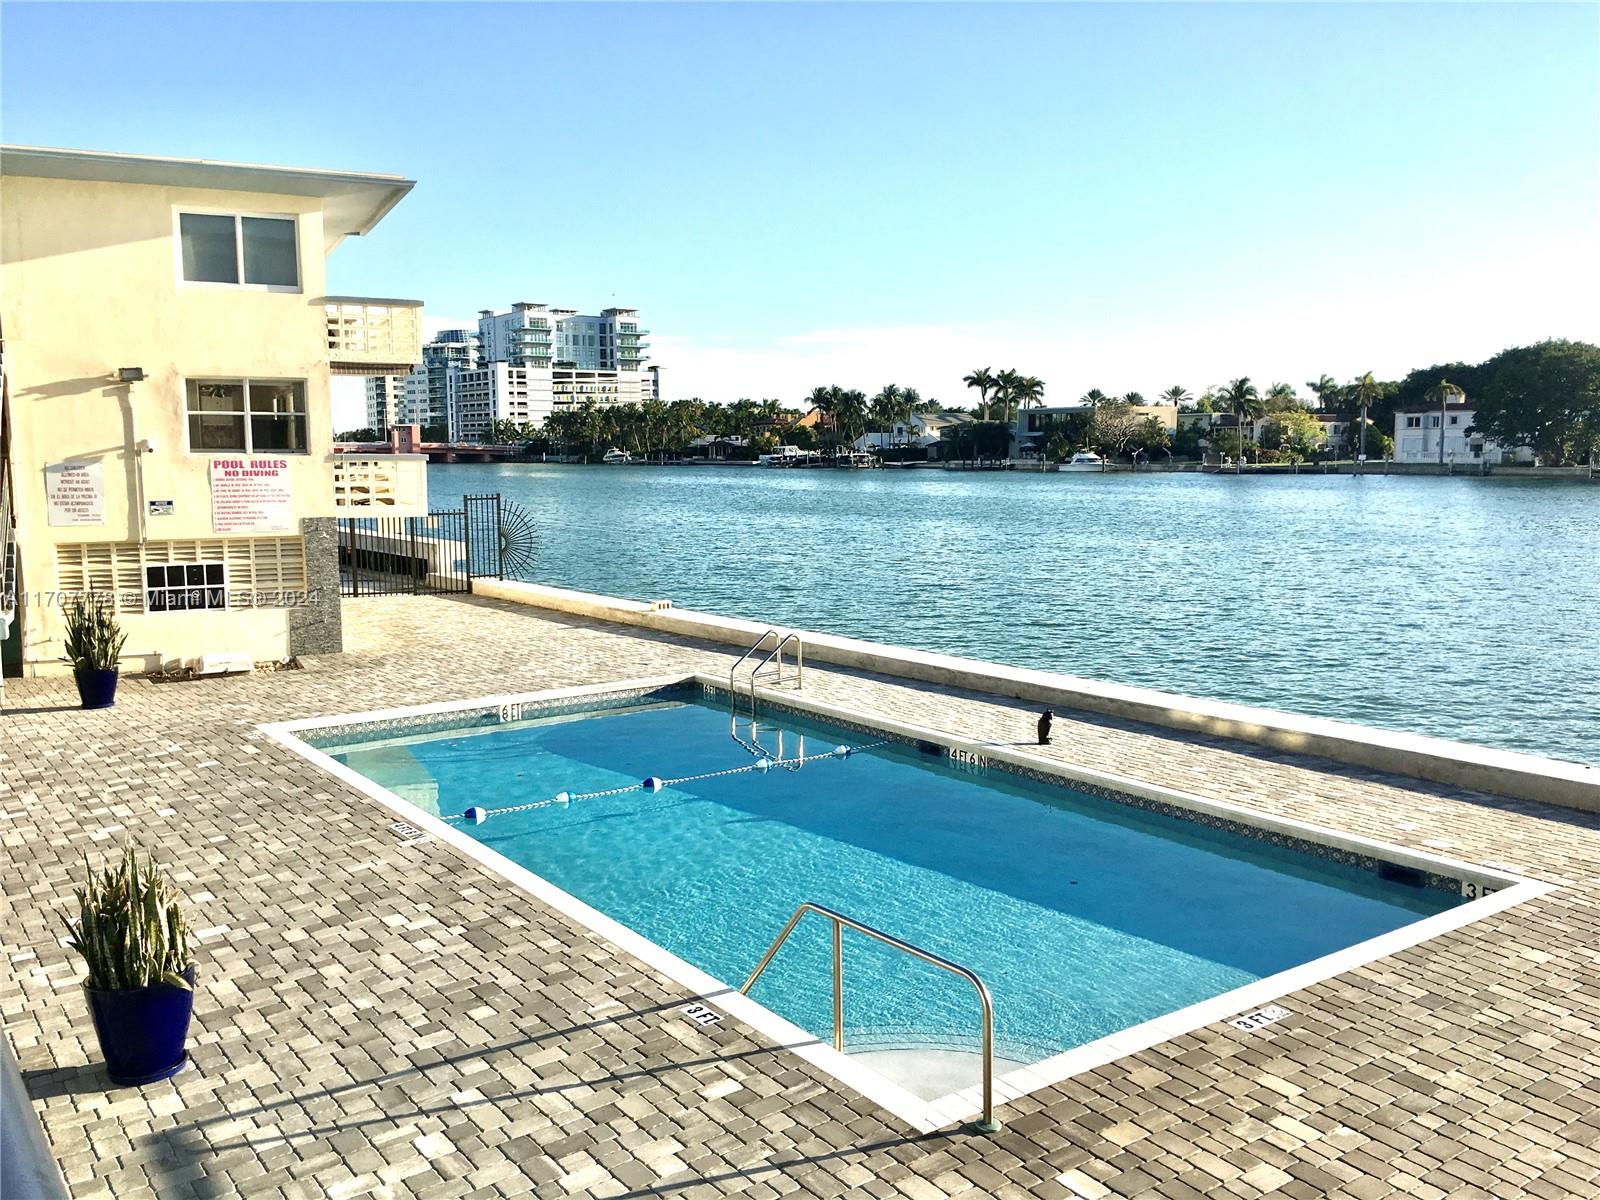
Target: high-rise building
x=534, y=360
x=386, y=397
x=427, y=388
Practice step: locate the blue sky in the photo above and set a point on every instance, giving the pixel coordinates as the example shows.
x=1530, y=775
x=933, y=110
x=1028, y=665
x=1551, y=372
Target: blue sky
x=1120, y=196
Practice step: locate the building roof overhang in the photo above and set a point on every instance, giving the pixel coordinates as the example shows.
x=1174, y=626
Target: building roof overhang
x=352, y=203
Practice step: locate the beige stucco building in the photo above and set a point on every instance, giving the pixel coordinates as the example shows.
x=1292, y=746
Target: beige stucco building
x=168, y=348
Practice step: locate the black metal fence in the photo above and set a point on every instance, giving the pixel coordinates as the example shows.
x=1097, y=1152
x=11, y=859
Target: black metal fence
x=486, y=538
x=383, y=556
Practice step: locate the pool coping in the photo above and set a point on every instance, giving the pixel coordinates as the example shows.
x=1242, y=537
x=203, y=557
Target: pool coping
x=1498, y=890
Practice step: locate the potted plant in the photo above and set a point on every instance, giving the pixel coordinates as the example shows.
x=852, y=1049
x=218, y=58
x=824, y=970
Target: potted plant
x=130, y=930
x=94, y=644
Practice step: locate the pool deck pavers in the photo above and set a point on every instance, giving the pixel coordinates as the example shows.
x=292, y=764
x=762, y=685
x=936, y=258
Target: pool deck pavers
x=382, y=1020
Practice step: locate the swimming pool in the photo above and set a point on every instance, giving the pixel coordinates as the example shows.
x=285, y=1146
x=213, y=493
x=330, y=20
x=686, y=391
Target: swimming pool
x=1088, y=910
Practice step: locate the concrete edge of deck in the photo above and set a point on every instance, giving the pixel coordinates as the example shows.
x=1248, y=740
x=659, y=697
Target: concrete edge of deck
x=1461, y=764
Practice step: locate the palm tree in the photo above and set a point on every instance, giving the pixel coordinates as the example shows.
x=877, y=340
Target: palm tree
x=912, y=406
x=850, y=414
x=1365, y=391
x=1094, y=397
x=1280, y=397
x=1030, y=392
x=1177, y=395
x=1325, y=389
x=1006, y=383
x=824, y=400
x=1443, y=392
x=983, y=381
x=1242, y=396
x=1133, y=398
x=886, y=408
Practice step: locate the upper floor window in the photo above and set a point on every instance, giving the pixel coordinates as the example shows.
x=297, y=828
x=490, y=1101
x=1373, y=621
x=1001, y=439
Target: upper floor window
x=247, y=416
x=1413, y=422
x=229, y=248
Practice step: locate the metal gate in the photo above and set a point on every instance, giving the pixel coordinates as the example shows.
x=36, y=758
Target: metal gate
x=485, y=548
x=443, y=552
x=383, y=556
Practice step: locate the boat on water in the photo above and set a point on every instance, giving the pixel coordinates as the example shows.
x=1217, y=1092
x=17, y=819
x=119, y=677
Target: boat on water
x=1084, y=460
x=785, y=456
x=614, y=457
x=858, y=460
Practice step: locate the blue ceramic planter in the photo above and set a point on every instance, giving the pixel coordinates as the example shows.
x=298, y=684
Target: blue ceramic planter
x=97, y=687
x=142, y=1031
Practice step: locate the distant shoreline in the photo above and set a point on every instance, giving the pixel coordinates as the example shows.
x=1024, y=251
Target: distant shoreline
x=1416, y=470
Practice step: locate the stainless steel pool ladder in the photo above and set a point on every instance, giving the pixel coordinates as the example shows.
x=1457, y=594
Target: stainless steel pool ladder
x=987, y=1124
x=773, y=659
x=772, y=663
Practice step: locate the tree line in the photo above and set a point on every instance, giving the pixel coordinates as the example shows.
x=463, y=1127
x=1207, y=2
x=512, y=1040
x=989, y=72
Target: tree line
x=1545, y=396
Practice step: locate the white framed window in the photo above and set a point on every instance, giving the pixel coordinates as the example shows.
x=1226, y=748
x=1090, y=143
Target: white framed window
x=246, y=416
x=1413, y=422
x=239, y=250
x=1455, y=420
x=185, y=587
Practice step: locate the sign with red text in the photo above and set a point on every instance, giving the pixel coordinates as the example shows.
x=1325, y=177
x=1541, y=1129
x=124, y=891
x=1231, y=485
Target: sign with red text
x=250, y=495
x=75, y=493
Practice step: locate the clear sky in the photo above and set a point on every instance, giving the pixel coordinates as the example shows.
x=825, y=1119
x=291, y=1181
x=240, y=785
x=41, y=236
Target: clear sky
x=1113, y=196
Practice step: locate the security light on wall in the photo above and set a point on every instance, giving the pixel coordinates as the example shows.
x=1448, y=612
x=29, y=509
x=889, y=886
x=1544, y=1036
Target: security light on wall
x=130, y=374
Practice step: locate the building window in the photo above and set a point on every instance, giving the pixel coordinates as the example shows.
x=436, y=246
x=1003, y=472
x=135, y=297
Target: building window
x=1455, y=420
x=180, y=587
x=259, y=251
x=247, y=416
x=1413, y=422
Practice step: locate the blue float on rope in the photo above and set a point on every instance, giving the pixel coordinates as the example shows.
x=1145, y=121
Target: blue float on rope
x=763, y=764
x=563, y=797
x=651, y=783
x=476, y=815
x=841, y=751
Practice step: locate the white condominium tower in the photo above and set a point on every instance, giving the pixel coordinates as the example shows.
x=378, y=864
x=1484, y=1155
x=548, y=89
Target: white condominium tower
x=536, y=359
x=386, y=400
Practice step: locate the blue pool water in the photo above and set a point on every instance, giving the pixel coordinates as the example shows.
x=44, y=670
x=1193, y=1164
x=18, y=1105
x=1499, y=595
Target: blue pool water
x=1084, y=916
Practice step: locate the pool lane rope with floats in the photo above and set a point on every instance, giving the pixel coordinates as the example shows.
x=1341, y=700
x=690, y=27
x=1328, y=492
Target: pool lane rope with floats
x=477, y=814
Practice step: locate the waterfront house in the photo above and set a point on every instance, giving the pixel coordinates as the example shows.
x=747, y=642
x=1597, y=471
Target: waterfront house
x=1034, y=425
x=177, y=458
x=1417, y=434
x=920, y=435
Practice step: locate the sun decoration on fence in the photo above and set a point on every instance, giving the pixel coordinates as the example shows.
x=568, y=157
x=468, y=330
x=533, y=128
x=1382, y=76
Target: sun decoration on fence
x=517, y=541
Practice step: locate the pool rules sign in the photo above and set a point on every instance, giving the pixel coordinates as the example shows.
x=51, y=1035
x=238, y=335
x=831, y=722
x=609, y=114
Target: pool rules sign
x=250, y=495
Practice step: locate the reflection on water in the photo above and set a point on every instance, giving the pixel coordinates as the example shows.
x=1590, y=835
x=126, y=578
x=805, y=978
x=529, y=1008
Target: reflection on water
x=1465, y=608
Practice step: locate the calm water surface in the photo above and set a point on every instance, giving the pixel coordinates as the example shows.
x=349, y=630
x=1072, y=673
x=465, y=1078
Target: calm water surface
x=1464, y=608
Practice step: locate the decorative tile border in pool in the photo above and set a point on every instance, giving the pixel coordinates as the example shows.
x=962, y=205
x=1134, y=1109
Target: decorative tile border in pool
x=1488, y=891
x=489, y=714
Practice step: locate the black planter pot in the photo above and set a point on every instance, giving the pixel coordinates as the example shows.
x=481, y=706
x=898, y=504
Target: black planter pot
x=142, y=1031
x=97, y=686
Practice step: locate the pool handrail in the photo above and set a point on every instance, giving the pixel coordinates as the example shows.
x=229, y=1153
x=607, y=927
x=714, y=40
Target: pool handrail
x=782, y=640
x=987, y=1124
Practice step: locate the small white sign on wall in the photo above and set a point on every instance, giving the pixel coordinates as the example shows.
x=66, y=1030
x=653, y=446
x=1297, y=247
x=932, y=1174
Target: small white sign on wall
x=75, y=493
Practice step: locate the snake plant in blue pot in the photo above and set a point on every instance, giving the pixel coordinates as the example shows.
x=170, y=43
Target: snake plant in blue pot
x=94, y=644
x=132, y=933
